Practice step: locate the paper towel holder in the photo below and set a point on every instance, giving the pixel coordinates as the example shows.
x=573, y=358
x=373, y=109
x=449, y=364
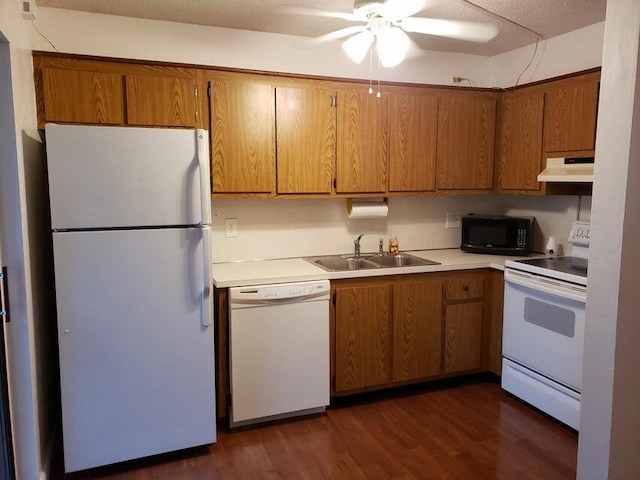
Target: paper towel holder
x=367, y=207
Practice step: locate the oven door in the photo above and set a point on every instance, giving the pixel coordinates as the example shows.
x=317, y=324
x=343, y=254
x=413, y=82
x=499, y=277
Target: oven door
x=544, y=326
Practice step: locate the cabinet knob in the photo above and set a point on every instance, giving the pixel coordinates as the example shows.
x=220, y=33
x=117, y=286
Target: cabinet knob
x=465, y=288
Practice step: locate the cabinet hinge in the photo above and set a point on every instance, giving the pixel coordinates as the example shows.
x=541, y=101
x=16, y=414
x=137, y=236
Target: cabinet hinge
x=209, y=90
x=195, y=94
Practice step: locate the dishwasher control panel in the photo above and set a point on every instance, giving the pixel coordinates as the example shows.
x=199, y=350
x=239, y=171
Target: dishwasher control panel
x=281, y=291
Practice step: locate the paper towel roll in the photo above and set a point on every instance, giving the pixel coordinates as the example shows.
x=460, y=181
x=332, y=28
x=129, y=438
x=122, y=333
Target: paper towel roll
x=367, y=208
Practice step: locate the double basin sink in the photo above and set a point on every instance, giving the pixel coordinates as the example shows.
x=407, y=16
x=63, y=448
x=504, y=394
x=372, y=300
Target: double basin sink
x=338, y=263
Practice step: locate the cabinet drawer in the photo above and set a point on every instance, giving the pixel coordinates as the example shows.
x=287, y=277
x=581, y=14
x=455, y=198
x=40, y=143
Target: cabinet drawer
x=464, y=288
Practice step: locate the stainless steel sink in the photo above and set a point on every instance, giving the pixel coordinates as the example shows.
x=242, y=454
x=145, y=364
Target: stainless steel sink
x=337, y=263
x=400, y=260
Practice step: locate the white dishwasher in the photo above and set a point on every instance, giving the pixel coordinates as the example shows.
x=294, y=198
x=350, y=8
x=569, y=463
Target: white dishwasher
x=278, y=351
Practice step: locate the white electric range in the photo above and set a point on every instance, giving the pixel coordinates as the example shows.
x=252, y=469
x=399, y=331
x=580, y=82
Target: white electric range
x=543, y=329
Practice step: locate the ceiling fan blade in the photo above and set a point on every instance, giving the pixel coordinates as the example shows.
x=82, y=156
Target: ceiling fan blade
x=396, y=10
x=473, y=32
x=337, y=34
x=296, y=10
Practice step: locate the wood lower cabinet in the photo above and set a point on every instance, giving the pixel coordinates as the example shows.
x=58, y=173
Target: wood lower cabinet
x=463, y=322
x=417, y=329
x=465, y=145
x=494, y=360
x=362, y=336
x=404, y=329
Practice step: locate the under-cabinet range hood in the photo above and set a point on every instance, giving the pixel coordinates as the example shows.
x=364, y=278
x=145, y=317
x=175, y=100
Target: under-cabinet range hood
x=568, y=170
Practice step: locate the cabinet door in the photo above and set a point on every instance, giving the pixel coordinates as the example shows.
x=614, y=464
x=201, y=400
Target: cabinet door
x=161, y=101
x=495, y=325
x=242, y=136
x=76, y=96
x=417, y=330
x=413, y=127
x=362, y=343
x=463, y=337
x=570, y=113
x=465, y=148
x=520, y=154
x=306, y=139
x=362, y=142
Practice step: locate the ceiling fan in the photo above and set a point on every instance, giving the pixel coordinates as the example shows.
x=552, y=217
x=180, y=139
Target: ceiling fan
x=386, y=23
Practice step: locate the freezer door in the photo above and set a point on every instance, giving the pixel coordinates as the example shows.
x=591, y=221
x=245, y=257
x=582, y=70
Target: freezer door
x=136, y=356
x=103, y=177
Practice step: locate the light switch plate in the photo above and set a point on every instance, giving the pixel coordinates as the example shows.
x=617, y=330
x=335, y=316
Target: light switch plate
x=453, y=220
x=230, y=227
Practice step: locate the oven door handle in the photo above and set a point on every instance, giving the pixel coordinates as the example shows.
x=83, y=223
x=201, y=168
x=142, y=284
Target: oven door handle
x=546, y=286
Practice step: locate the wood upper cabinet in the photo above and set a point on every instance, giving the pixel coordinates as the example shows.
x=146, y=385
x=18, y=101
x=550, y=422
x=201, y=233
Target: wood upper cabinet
x=243, y=150
x=363, y=144
x=413, y=132
x=362, y=336
x=465, y=146
x=154, y=100
x=417, y=329
x=75, y=96
x=570, y=114
x=520, y=141
x=463, y=322
x=306, y=139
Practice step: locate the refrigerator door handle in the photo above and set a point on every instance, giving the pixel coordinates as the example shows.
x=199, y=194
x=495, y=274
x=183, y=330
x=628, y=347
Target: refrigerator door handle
x=207, y=302
x=205, y=181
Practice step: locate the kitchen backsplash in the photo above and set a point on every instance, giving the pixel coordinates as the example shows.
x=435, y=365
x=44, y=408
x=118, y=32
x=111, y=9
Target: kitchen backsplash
x=285, y=228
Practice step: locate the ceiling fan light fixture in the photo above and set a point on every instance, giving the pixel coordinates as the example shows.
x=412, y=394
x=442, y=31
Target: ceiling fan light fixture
x=357, y=46
x=392, y=44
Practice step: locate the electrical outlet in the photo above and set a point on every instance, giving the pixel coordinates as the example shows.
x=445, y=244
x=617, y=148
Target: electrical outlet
x=230, y=227
x=453, y=220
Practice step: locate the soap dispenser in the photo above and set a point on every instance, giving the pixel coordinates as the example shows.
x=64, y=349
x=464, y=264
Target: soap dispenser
x=394, y=249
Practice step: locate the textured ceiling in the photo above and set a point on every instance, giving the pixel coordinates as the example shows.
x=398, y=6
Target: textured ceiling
x=546, y=17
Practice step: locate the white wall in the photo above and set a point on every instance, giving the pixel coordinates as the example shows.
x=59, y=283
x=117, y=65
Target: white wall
x=572, y=52
x=30, y=335
x=294, y=228
x=107, y=35
x=610, y=417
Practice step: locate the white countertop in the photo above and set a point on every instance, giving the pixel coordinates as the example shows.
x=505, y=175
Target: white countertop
x=240, y=274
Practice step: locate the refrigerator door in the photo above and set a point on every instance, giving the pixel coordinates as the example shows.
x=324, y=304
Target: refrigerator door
x=136, y=354
x=105, y=177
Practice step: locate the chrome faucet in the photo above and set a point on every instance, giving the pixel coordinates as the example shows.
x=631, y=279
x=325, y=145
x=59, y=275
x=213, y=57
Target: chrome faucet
x=381, y=246
x=356, y=245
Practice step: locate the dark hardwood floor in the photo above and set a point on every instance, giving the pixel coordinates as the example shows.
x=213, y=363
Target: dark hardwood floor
x=465, y=429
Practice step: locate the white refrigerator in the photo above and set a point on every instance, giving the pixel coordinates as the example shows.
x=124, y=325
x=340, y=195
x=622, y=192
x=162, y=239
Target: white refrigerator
x=131, y=214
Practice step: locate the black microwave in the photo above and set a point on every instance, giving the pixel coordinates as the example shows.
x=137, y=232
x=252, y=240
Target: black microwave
x=497, y=234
